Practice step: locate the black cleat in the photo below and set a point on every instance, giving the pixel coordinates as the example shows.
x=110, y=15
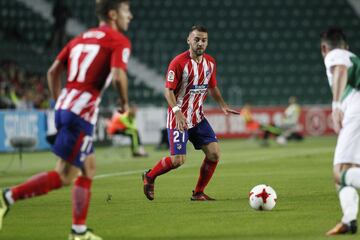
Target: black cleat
x=200, y=196
x=148, y=186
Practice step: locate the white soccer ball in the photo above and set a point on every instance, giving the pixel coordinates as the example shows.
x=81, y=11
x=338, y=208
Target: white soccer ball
x=262, y=197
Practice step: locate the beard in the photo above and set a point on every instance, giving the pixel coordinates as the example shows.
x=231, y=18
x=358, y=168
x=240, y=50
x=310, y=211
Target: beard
x=199, y=52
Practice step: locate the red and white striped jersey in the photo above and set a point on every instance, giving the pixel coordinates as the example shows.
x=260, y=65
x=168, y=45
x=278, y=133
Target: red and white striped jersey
x=190, y=81
x=89, y=59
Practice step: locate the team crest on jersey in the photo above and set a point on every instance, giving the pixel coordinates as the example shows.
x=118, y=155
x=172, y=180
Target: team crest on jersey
x=207, y=73
x=126, y=55
x=178, y=146
x=171, y=76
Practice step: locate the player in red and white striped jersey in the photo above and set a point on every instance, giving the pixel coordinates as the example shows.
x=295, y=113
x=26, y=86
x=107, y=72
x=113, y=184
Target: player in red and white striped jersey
x=89, y=59
x=93, y=60
x=190, y=81
x=191, y=75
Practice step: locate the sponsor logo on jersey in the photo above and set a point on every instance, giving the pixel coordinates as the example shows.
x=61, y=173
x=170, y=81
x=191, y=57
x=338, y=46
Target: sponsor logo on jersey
x=171, y=76
x=178, y=146
x=199, y=89
x=126, y=55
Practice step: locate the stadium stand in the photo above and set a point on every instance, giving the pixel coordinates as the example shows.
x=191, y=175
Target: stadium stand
x=266, y=50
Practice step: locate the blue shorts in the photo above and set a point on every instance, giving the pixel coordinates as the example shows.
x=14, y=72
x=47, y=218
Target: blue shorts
x=200, y=135
x=74, y=138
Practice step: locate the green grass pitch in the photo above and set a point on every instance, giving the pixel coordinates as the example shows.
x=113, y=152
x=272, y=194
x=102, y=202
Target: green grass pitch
x=300, y=173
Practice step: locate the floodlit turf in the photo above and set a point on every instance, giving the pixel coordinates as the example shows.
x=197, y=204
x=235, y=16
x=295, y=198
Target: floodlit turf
x=300, y=173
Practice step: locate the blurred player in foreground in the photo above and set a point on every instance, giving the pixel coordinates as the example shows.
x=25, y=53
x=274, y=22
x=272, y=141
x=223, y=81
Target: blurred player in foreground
x=125, y=124
x=342, y=69
x=93, y=59
x=190, y=76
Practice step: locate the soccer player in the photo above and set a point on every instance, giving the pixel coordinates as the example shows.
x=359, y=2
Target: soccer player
x=290, y=122
x=344, y=78
x=92, y=59
x=190, y=76
x=125, y=124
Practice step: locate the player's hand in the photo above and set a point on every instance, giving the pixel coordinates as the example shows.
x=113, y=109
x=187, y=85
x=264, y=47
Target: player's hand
x=123, y=108
x=228, y=110
x=180, y=119
x=337, y=117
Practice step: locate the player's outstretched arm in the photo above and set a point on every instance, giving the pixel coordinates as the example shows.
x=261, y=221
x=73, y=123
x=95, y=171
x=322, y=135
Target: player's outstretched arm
x=338, y=87
x=179, y=116
x=120, y=81
x=54, y=78
x=216, y=95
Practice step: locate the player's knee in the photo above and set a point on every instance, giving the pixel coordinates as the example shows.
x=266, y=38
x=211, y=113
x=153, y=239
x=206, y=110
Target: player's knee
x=178, y=160
x=213, y=156
x=337, y=173
x=89, y=169
x=89, y=173
x=336, y=176
x=66, y=180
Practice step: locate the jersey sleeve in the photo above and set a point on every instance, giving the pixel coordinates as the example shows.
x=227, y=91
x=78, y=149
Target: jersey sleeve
x=173, y=75
x=63, y=56
x=120, y=56
x=337, y=57
x=213, y=81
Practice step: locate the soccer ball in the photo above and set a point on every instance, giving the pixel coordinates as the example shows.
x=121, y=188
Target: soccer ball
x=262, y=197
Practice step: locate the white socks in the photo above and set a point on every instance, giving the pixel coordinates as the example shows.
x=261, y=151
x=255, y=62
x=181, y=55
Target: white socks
x=352, y=177
x=349, y=201
x=8, y=196
x=79, y=228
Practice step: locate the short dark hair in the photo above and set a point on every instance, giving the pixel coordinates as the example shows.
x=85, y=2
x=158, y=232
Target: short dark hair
x=199, y=28
x=104, y=6
x=334, y=36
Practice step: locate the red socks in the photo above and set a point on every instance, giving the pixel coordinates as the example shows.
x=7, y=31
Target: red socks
x=80, y=199
x=37, y=185
x=206, y=171
x=163, y=166
x=42, y=183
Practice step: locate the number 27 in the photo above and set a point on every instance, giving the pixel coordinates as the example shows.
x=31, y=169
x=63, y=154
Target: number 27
x=177, y=135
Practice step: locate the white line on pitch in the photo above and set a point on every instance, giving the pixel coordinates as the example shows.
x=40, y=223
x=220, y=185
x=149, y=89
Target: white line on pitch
x=258, y=158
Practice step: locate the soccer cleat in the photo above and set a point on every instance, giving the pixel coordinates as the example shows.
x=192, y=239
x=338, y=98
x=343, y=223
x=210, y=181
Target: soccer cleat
x=200, y=196
x=148, y=186
x=342, y=228
x=88, y=235
x=4, y=207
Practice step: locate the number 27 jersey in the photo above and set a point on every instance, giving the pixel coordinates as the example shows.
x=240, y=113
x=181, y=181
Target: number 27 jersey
x=89, y=59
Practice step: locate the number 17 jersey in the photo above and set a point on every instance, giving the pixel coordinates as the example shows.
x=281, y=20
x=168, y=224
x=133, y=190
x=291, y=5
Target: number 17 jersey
x=89, y=59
